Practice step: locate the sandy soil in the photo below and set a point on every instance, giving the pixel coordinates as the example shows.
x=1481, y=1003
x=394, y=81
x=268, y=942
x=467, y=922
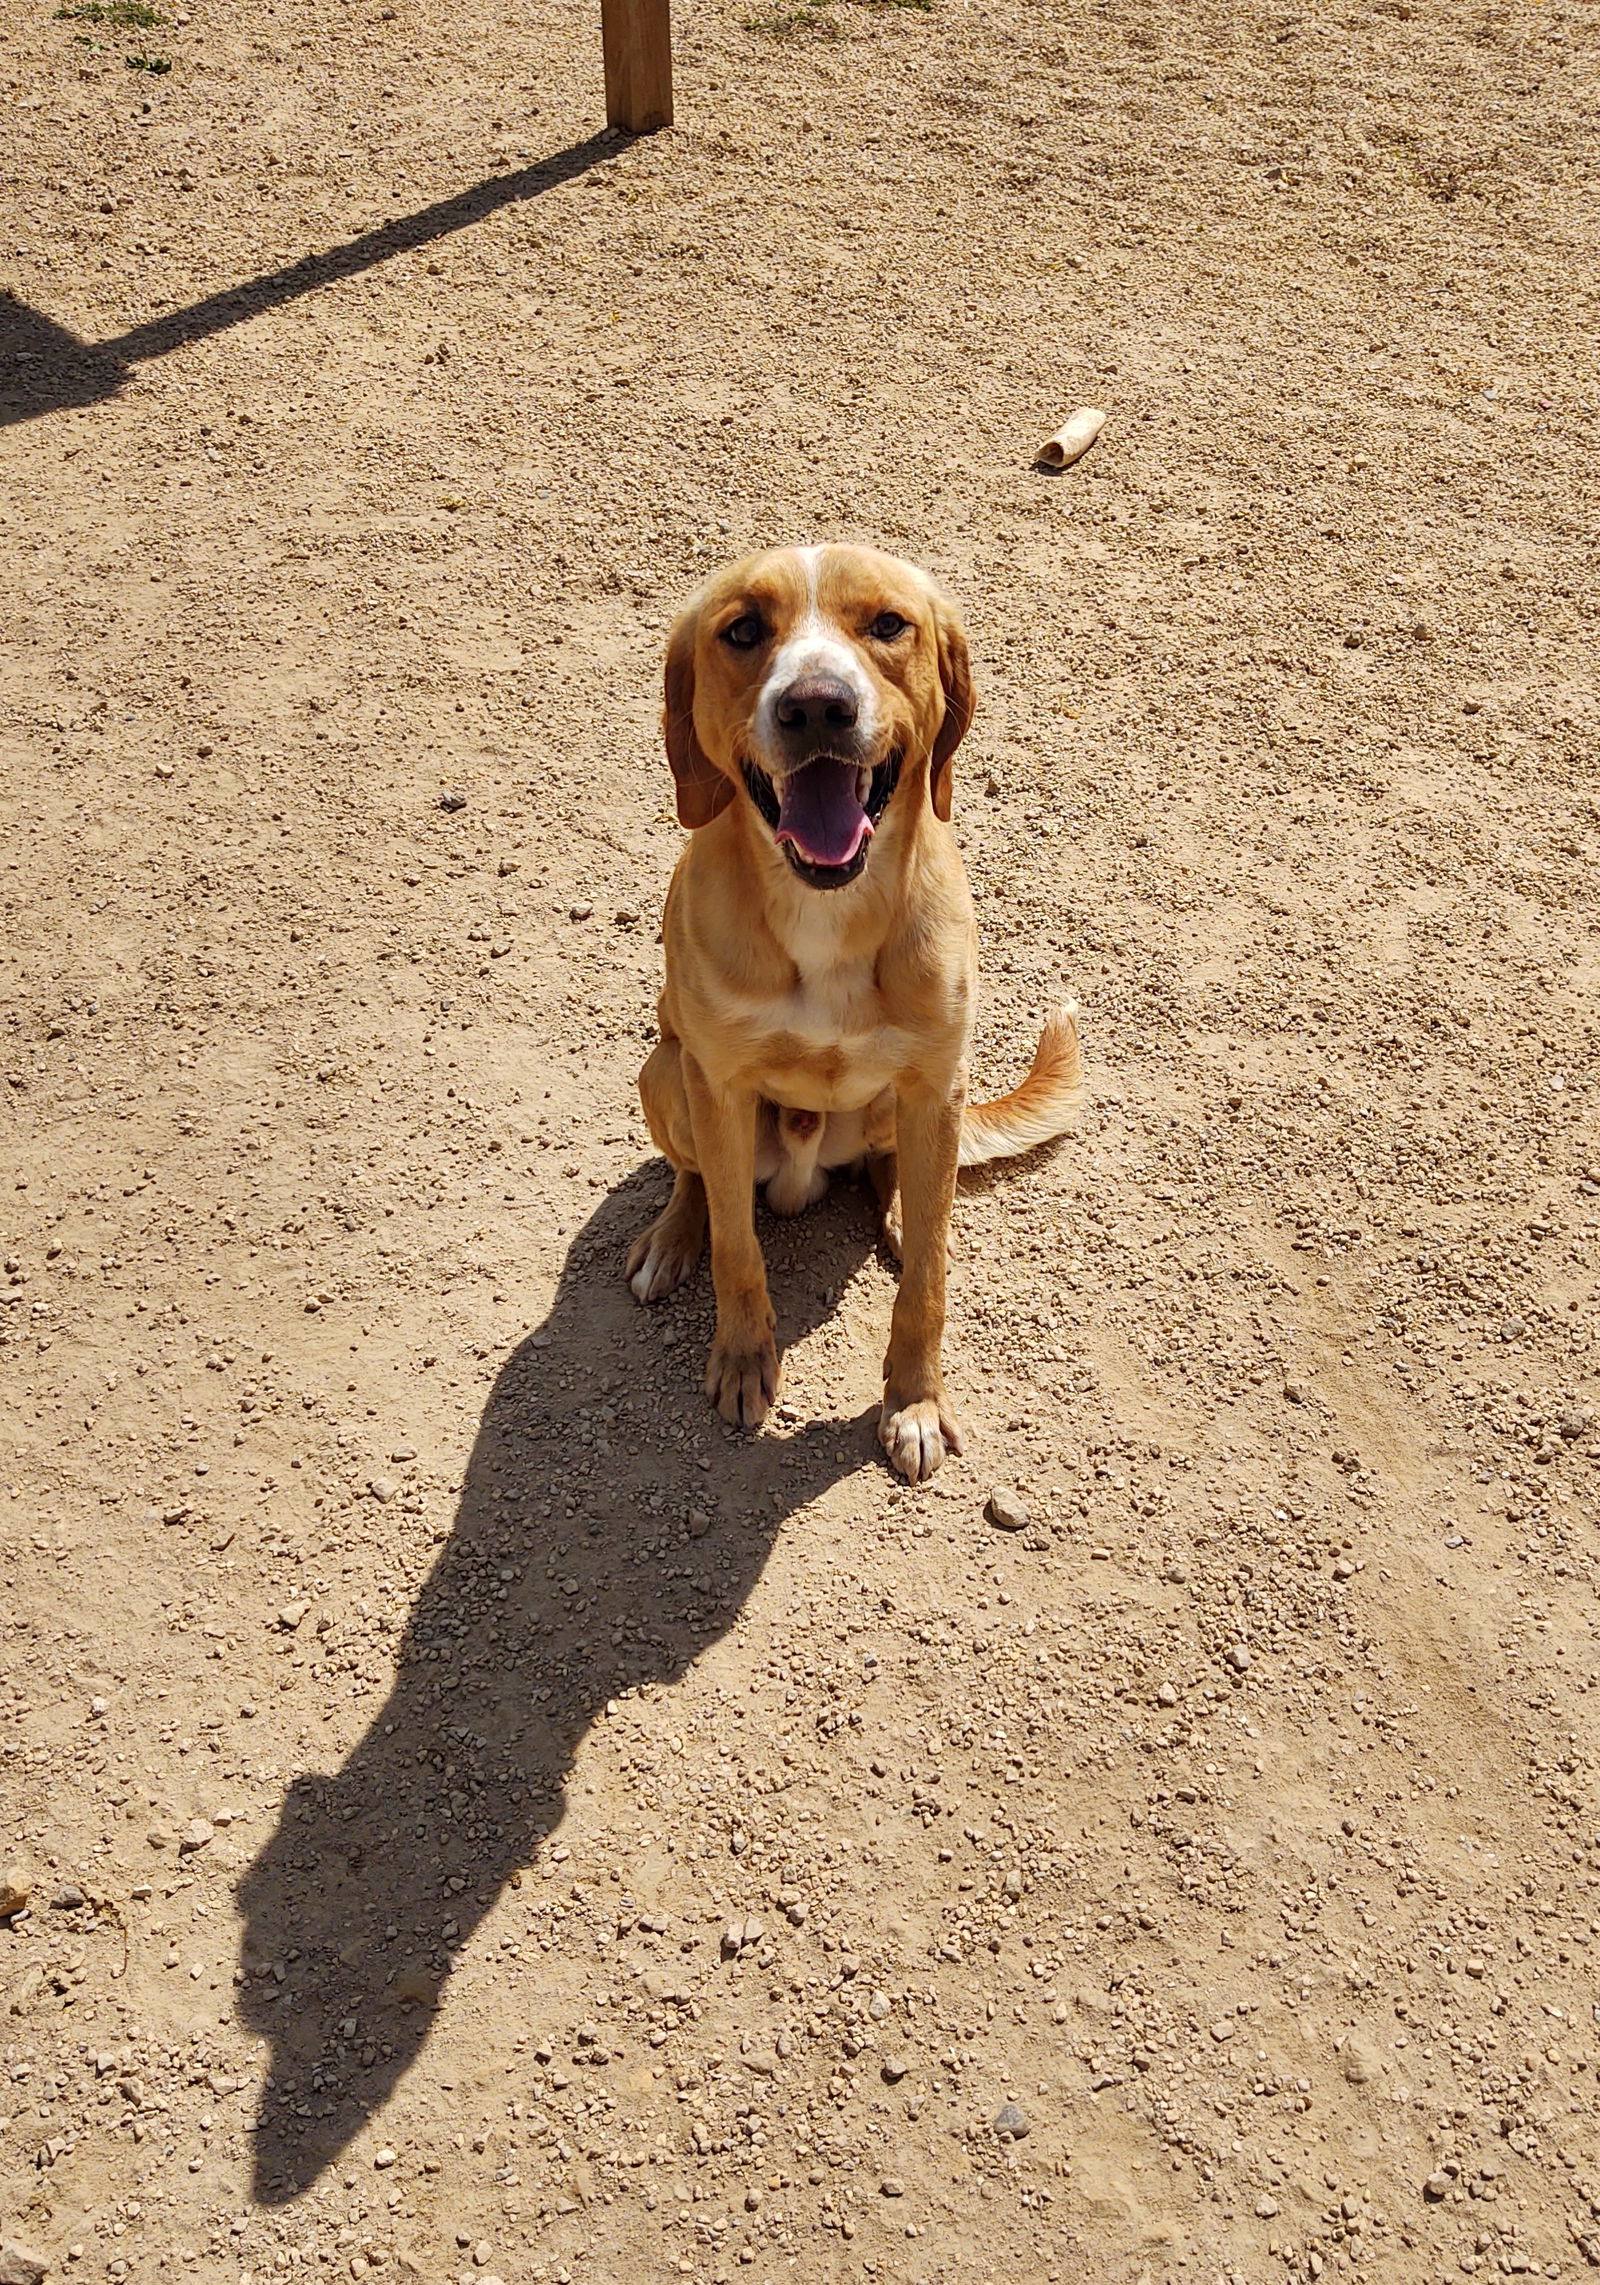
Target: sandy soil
x=481, y=1819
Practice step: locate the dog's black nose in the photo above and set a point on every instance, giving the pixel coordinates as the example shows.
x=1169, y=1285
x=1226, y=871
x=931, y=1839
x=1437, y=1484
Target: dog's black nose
x=817, y=702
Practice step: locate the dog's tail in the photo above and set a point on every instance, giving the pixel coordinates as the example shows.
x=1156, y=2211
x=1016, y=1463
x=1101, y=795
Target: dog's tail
x=1037, y=1111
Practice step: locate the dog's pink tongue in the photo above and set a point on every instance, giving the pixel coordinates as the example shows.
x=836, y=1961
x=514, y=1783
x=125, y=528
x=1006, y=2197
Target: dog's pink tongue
x=818, y=811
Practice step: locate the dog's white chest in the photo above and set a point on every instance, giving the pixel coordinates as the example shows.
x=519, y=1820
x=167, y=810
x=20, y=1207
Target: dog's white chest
x=834, y=1043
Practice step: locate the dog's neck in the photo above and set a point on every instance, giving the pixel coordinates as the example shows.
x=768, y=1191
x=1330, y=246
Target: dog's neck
x=825, y=926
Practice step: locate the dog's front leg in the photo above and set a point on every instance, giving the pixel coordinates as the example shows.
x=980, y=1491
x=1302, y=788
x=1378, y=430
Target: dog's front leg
x=916, y=1428
x=742, y=1375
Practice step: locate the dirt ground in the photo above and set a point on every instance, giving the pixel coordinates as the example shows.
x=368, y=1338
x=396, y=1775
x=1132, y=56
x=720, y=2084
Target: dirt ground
x=483, y=1820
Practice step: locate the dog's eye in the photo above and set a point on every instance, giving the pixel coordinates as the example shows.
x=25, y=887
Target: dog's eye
x=886, y=626
x=745, y=633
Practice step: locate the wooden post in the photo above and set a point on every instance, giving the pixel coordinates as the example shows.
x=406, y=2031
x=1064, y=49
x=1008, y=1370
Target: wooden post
x=637, y=38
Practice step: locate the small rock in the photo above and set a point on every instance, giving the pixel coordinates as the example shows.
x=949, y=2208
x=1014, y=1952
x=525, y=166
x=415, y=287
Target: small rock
x=1576, y=1421
x=1166, y=1695
x=1266, y=2208
x=451, y=800
x=383, y=2158
x=892, y=2186
x=879, y=2005
x=1008, y=2119
x=1344, y=1568
x=1223, y=2029
x=196, y=1836
x=796, y=1914
x=1006, y=1509
x=1239, y=1659
x=67, y=1898
x=1293, y=1393
x=754, y=2200
x=1362, y=2061
x=15, y=1890
x=581, y=911
x=291, y=1615
x=1437, y=2186
x=382, y=1488
x=20, y=2265
x=402, y=1453
x=732, y=1939
x=895, y=2068
x=1011, y=1886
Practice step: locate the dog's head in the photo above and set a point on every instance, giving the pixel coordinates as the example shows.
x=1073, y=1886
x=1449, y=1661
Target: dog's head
x=814, y=683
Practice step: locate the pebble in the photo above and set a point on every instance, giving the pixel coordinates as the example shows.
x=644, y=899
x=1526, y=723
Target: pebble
x=383, y=2158
x=1266, y=2208
x=1006, y=1509
x=1437, y=2186
x=198, y=1835
x=892, y=2186
x=67, y=1898
x=20, y=2265
x=1577, y=1420
x=754, y=2200
x=1344, y=1568
x=1293, y=1394
x=1166, y=1695
x=291, y=1615
x=382, y=1488
x=1222, y=2029
x=15, y=1890
x=1008, y=2119
x=451, y=800
x=1239, y=1659
x=895, y=2068
x=581, y=911
x=879, y=2005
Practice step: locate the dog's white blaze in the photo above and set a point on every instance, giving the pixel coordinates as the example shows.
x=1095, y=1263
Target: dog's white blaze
x=813, y=647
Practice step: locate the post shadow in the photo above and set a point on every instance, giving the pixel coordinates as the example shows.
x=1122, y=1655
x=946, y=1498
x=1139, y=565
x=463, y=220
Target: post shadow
x=459, y=1778
x=46, y=368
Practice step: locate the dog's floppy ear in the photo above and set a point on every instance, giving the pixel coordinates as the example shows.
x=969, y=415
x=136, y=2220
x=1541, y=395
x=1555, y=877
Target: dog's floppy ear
x=702, y=789
x=955, y=673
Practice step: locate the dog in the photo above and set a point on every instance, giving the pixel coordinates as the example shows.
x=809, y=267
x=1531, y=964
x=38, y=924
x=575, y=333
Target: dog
x=821, y=958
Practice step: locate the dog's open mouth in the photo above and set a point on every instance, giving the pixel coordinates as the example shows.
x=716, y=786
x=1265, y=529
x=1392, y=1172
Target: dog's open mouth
x=823, y=815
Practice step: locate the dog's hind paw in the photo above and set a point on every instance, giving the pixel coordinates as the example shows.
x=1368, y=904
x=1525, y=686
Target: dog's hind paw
x=916, y=1438
x=661, y=1258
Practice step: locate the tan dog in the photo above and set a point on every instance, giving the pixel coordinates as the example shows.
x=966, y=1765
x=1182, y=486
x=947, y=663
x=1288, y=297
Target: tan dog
x=821, y=956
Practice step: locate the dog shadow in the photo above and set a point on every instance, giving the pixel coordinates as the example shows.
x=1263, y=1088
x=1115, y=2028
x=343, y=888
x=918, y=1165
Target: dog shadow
x=551, y=1596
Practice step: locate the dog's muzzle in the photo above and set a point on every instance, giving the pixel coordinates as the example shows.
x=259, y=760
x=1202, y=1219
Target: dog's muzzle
x=823, y=815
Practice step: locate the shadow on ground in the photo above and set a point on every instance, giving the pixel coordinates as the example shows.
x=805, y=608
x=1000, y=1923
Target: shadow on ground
x=531, y=1619
x=45, y=368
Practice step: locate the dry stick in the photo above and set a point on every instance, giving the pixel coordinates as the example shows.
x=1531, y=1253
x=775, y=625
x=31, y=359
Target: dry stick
x=1072, y=440
x=637, y=39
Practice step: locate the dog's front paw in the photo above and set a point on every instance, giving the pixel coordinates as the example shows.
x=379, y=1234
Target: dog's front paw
x=742, y=1377
x=917, y=1436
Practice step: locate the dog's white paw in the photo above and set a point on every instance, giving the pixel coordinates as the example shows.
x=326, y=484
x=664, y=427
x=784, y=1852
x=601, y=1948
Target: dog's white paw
x=661, y=1258
x=792, y=1189
x=916, y=1438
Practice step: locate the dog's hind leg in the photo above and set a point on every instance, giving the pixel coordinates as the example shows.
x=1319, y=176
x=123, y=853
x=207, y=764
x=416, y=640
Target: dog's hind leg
x=661, y=1257
x=883, y=1170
